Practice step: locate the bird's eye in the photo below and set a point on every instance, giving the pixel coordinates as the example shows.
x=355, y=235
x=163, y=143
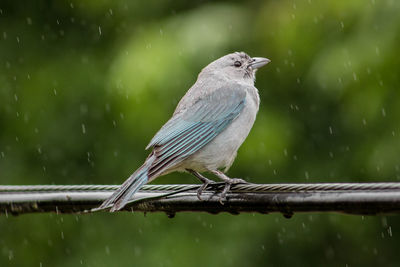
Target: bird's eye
x=237, y=64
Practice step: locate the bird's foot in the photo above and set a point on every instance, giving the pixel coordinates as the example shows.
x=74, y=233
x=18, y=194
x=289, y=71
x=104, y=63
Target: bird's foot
x=228, y=183
x=206, y=182
x=203, y=179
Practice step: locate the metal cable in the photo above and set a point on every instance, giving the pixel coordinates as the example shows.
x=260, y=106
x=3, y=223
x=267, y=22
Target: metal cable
x=253, y=188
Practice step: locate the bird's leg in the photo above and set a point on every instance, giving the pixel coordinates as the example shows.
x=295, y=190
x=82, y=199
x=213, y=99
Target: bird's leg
x=228, y=182
x=203, y=179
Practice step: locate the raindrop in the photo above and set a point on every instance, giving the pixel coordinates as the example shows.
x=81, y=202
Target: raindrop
x=364, y=121
x=99, y=30
x=383, y=112
x=390, y=231
x=10, y=255
x=377, y=51
x=342, y=24
x=62, y=235
x=83, y=129
x=330, y=130
x=107, y=249
x=55, y=91
x=354, y=76
x=306, y=175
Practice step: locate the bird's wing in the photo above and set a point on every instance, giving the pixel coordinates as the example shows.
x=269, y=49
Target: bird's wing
x=189, y=131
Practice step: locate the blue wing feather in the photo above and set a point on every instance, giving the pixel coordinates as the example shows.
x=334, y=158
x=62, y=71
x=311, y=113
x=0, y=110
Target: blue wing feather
x=189, y=131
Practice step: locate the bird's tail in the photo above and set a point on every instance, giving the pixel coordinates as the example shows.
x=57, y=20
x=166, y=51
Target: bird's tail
x=124, y=193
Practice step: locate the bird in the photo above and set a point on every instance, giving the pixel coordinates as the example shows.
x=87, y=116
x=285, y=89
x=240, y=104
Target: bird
x=208, y=126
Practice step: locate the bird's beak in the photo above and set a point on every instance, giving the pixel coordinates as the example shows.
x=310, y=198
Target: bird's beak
x=258, y=62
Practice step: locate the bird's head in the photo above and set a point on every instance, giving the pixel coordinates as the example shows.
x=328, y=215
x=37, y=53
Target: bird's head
x=237, y=66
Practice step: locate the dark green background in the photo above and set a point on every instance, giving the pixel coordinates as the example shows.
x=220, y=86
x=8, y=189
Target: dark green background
x=84, y=85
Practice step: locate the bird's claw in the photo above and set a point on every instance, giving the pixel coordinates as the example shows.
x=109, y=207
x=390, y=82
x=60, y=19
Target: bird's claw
x=206, y=182
x=228, y=184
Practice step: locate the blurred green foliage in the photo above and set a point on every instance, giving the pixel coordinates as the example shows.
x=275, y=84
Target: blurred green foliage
x=84, y=85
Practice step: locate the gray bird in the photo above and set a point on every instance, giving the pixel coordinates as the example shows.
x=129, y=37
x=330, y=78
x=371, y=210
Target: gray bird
x=207, y=128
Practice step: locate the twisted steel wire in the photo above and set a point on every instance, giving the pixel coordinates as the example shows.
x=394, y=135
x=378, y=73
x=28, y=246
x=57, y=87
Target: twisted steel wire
x=250, y=187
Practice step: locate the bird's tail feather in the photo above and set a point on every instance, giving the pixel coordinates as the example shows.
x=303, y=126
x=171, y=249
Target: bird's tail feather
x=124, y=193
